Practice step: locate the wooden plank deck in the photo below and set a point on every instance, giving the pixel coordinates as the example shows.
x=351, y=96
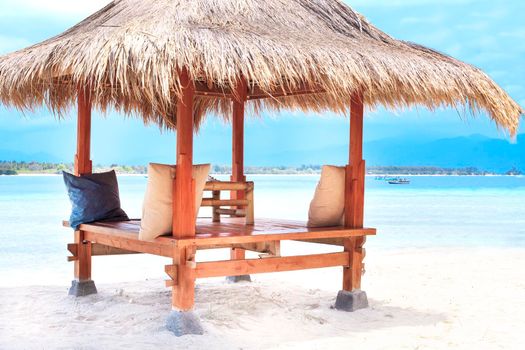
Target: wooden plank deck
x=228, y=232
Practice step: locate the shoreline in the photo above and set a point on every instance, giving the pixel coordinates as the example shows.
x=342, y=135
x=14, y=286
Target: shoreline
x=316, y=174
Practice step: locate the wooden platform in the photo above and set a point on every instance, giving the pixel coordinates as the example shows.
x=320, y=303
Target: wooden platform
x=228, y=233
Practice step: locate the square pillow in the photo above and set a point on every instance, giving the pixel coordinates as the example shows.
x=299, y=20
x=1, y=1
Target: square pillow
x=94, y=197
x=157, y=210
x=328, y=205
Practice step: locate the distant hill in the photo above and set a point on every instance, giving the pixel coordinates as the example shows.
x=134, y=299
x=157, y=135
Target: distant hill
x=473, y=151
x=25, y=157
x=477, y=151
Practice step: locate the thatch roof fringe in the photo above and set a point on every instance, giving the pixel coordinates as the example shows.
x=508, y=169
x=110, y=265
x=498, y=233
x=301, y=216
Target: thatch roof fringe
x=129, y=53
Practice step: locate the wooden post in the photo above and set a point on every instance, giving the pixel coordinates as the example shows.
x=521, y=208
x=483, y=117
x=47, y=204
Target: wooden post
x=183, y=294
x=184, y=189
x=83, y=166
x=354, y=196
x=239, y=101
x=83, y=157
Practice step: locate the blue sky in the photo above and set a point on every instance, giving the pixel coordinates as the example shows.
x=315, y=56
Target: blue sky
x=488, y=34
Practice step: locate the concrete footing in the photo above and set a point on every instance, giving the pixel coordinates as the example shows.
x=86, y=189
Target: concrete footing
x=241, y=278
x=82, y=288
x=351, y=301
x=184, y=323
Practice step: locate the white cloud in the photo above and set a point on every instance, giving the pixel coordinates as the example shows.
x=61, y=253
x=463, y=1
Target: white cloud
x=10, y=44
x=54, y=8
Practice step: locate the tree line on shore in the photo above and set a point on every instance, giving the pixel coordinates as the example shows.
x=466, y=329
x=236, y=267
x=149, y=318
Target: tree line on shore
x=14, y=168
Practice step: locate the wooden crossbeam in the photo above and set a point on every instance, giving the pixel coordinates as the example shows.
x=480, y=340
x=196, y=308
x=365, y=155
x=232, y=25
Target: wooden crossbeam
x=210, y=202
x=292, y=236
x=277, y=264
x=157, y=247
x=254, y=92
x=227, y=186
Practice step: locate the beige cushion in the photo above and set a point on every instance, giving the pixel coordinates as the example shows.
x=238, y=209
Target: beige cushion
x=328, y=205
x=157, y=210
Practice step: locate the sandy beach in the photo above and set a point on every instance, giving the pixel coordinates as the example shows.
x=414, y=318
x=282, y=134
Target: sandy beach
x=454, y=298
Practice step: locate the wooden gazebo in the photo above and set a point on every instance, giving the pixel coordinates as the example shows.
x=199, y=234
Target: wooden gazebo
x=174, y=62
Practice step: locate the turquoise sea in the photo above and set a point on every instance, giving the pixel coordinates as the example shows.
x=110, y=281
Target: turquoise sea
x=433, y=211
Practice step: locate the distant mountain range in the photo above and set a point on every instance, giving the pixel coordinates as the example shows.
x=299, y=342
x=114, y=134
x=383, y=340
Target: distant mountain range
x=25, y=157
x=473, y=151
x=495, y=155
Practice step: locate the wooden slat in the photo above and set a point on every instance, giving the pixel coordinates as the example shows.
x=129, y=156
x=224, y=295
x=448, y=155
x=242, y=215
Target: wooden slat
x=231, y=231
x=210, y=202
x=227, y=238
x=131, y=242
x=102, y=250
x=227, y=186
x=278, y=264
x=329, y=241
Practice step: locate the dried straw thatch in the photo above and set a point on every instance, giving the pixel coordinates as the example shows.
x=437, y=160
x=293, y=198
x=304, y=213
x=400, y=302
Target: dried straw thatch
x=128, y=54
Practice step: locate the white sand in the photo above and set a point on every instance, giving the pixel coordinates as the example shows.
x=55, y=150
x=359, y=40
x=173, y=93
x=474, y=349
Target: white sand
x=419, y=299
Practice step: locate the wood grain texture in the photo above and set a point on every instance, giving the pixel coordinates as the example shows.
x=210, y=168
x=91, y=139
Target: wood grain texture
x=83, y=262
x=184, y=186
x=271, y=264
x=229, y=232
x=183, y=291
x=355, y=196
x=83, y=156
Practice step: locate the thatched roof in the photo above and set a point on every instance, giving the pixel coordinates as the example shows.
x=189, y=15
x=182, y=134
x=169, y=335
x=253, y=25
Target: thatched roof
x=129, y=52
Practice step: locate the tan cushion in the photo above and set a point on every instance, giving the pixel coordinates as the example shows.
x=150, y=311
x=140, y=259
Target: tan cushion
x=328, y=205
x=157, y=210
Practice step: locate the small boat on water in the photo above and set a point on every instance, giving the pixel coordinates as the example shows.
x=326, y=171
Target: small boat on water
x=399, y=181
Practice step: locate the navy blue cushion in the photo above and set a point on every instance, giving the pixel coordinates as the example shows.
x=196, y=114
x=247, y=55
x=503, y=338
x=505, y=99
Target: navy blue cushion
x=94, y=197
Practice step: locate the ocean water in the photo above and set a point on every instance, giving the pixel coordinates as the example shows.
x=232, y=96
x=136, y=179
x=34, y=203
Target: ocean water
x=433, y=211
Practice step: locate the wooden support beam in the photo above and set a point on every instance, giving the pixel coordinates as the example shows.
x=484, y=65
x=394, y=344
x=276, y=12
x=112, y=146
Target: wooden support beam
x=354, y=196
x=158, y=247
x=184, y=186
x=253, y=237
x=184, y=220
x=239, y=101
x=216, y=214
x=104, y=250
x=83, y=166
x=183, y=292
x=271, y=247
x=254, y=92
x=83, y=263
x=172, y=272
x=250, y=208
x=277, y=264
x=83, y=156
